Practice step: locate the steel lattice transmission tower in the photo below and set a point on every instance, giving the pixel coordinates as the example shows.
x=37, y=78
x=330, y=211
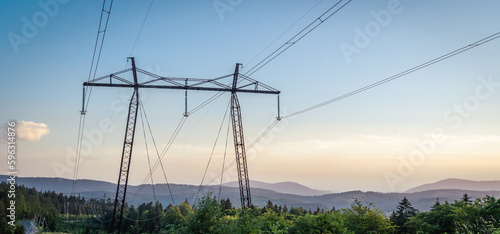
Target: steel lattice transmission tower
x=240, y=84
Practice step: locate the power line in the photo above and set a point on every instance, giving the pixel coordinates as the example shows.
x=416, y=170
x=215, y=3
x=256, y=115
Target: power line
x=142, y=26
x=160, y=156
x=401, y=74
x=318, y=21
x=97, y=39
x=284, y=32
x=212, y=153
x=157, y=153
x=87, y=94
x=147, y=152
x=79, y=141
x=170, y=142
x=224, y=159
x=248, y=148
x=309, y=28
x=99, y=31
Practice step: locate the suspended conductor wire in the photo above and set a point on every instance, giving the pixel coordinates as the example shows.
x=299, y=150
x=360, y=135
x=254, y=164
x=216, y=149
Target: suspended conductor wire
x=158, y=161
x=416, y=68
x=284, y=32
x=142, y=26
x=99, y=31
x=212, y=153
x=247, y=149
x=95, y=215
x=206, y=102
x=174, y=135
x=224, y=159
x=97, y=38
x=77, y=156
x=141, y=110
x=88, y=94
x=158, y=154
x=105, y=136
x=401, y=74
x=262, y=134
x=318, y=21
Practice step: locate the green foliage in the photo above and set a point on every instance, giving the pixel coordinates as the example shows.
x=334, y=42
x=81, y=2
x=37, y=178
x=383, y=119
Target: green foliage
x=464, y=216
x=400, y=217
x=206, y=217
x=273, y=222
x=213, y=216
x=366, y=219
x=320, y=223
x=19, y=229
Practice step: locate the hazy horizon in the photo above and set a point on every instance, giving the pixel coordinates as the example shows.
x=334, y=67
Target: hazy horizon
x=437, y=123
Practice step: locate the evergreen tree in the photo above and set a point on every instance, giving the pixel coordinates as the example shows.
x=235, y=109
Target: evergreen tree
x=269, y=205
x=437, y=204
x=226, y=204
x=466, y=199
x=403, y=214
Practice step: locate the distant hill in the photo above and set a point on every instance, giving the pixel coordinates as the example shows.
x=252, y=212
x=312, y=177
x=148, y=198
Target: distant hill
x=458, y=184
x=144, y=194
x=283, y=187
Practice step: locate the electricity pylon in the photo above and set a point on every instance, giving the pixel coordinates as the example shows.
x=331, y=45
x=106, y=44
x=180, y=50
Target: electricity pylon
x=240, y=83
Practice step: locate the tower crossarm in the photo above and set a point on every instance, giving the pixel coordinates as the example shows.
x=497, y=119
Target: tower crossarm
x=150, y=80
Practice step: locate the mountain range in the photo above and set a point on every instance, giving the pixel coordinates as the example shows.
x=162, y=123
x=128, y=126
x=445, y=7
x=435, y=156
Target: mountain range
x=283, y=187
x=285, y=193
x=458, y=184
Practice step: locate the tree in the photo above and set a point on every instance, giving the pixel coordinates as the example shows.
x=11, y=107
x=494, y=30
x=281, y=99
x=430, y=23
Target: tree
x=403, y=214
x=19, y=229
x=321, y=223
x=172, y=217
x=269, y=205
x=226, y=206
x=185, y=208
x=366, y=219
x=437, y=204
x=441, y=219
x=206, y=217
x=466, y=199
x=272, y=222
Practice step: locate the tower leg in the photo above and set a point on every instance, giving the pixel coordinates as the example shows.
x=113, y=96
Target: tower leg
x=241, y=158
x=239, y=145
x=121, y=189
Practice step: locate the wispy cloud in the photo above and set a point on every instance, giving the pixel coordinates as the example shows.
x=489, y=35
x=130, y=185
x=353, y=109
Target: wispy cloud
x=29, y=130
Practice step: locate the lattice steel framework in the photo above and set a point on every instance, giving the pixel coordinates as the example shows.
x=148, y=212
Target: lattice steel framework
x=128, y=144
x=239, y=145
x=240, y=83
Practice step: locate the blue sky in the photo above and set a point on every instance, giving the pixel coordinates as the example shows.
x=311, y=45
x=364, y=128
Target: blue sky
x=358, y=143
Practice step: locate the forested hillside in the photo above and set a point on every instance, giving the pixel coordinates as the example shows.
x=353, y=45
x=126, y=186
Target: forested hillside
x=78, y=215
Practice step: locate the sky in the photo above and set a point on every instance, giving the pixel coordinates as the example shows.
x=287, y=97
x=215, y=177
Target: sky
x=436, y=123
